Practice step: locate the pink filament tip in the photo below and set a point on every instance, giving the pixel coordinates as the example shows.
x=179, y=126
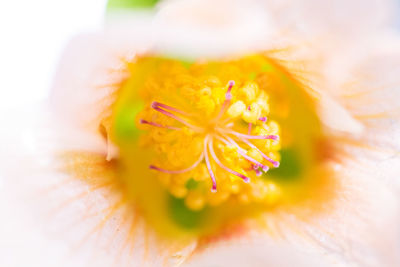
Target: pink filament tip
x=228, y=95
x=263, y=119
x=258, y=172
x=273, y=137
x=158, y=125
x=265, y=168
x=214, y=189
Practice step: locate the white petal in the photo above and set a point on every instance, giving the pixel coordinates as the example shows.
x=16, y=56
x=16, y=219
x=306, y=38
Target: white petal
x=369, y=238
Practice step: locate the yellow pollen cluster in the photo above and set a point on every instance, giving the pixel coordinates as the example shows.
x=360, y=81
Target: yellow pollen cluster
x=212, y=137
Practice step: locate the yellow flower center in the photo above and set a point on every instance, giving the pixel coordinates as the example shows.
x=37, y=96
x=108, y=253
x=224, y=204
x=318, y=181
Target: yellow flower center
x=205, y=132
x=209, y=142
x=206, y=145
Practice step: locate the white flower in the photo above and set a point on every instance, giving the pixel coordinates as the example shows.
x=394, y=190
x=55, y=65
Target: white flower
x=345, y=55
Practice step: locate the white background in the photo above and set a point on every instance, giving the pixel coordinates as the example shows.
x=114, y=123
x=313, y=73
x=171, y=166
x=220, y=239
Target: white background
x=33, y=34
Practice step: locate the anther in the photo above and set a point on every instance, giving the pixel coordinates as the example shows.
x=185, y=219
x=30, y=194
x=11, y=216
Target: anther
x=241, y=151
x=275, y=163
x=216, y=159
x=263, y=119
x=179, y=171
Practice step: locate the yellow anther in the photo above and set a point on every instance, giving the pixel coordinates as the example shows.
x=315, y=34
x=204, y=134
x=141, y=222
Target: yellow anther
x=235, y=188
x=252, y=114
x=243, y=163
x=259, y=191
x=195, y=200
x=244, y=198
x=264, y=106
x=250, y=91
x=218, y=95
x=206, y=91
x=188, y=132
x=178, y=191
x=213, y=81
x=206, y=104
x=216, y=199
x=262, y=101
x=274, y=127
x=273, y=193
x=258, y=130
x=255, y=154
x=236, y=109
x=201, y=173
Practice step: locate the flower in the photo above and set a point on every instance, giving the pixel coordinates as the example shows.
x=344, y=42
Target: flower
x=175, y=160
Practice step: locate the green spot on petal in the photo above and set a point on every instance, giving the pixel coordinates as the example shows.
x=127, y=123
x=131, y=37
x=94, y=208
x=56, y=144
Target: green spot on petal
x=125, y=127
x=290, y=166
x=252, y=76
x=267, y=68
x=191, y=184
x=185, y=217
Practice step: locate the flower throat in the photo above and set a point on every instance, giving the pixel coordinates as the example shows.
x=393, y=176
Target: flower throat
x=214, y=136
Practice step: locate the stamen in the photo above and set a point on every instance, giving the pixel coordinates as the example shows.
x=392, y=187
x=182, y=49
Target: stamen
x=179, y=171
x=228, y=98
x=214, y=156
x=158, y=104
x=214, y=183
x=155, y=106
x=248, y=136
x=258, y=172
x=275, y=163
x=159, y=125
x=250, y=126
x=263, y=119
x=229, y=125
x=242, y=151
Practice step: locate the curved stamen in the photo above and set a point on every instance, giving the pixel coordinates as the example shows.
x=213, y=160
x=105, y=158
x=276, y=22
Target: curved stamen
x=158, y=104
x=248, y=136
x=214, y=156
x=159, y=125
x=214, y=183
x=275, y=163
x=169, y=114
x=179, y=171
x=242, y=152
